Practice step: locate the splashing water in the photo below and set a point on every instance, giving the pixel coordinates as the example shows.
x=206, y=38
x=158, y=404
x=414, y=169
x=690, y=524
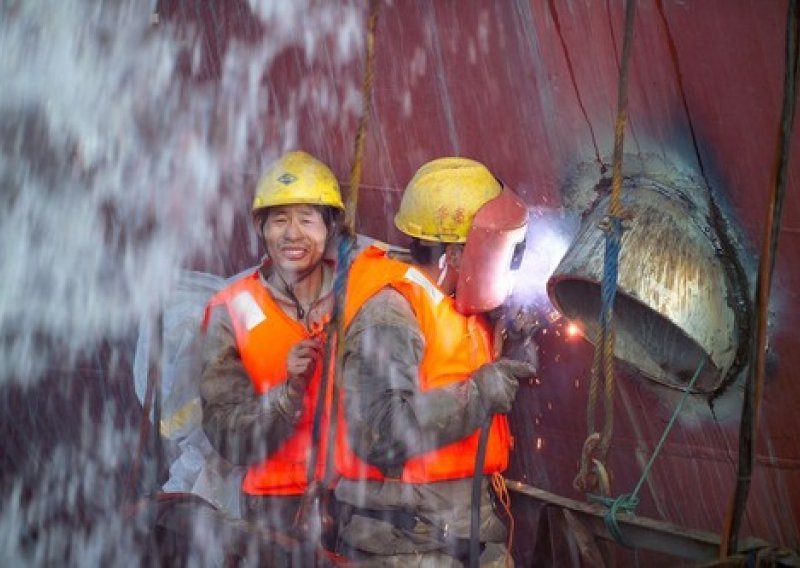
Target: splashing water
x=119, y=162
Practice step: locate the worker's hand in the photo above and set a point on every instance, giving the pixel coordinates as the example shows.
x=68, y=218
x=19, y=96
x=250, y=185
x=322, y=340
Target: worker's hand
x=300, y=364
x=525, y=320
x=497, y=383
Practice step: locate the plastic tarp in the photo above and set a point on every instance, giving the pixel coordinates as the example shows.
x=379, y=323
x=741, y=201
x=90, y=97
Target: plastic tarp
x=195, y=466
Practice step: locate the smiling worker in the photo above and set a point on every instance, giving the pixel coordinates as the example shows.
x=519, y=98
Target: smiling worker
x=262, y=356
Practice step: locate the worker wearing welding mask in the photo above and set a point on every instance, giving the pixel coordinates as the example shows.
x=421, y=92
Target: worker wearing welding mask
x=419, y=375
x=263, y=347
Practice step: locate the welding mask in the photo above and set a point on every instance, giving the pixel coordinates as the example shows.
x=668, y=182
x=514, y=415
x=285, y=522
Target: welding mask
x=493, y=251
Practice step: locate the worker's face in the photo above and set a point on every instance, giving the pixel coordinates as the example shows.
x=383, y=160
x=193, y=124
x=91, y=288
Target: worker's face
x=295, y=236
x=453, y=253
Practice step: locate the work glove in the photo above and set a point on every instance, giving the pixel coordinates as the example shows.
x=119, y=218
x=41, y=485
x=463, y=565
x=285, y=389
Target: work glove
x=497, y=383
x=301, y=361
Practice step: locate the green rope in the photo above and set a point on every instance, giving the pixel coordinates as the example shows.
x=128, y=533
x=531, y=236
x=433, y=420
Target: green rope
x=628, y=501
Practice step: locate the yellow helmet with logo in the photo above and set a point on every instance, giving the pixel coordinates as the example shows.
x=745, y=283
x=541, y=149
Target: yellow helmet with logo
x=443, y=197
x=297, y=178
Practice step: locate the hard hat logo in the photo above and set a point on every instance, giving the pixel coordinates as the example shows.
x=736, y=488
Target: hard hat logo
x=287, y=178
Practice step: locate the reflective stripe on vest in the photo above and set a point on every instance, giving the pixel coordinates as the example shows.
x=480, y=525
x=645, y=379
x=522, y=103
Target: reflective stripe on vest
x=455, y=346
x=264, y=335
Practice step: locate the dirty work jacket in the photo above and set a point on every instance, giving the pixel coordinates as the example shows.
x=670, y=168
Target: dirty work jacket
x=455, y=346
x=264, y=334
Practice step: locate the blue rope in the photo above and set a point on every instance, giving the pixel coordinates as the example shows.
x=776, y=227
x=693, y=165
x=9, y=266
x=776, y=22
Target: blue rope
x=344, y=254
x=629, y=501
x=608, y=288
x=603, y=349
x=344, y=258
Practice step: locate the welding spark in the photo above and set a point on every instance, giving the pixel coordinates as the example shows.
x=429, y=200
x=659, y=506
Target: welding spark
x=549, y=233
x=573, y=330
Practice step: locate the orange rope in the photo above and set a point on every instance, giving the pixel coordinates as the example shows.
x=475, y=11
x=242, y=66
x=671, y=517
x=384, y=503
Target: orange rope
x=332, y=358
x=501, y=490
x=366, y=109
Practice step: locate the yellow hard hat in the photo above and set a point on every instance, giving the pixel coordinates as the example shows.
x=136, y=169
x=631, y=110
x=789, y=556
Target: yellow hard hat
x=443, y=197
x=297, y=178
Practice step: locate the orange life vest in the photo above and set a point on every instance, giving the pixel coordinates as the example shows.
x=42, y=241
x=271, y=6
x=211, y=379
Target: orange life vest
x=264, y=335
x=455, y=346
